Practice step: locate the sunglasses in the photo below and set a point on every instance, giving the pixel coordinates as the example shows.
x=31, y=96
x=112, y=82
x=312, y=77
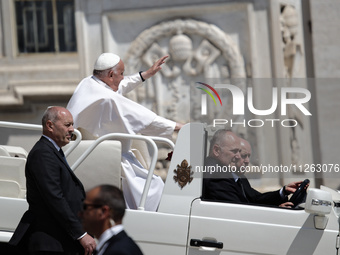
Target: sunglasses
x=85, y=206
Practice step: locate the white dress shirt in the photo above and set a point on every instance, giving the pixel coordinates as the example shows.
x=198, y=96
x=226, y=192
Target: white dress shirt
x=102, y=241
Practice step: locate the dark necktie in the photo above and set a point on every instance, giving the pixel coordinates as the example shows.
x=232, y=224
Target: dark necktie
x=239, y=182
x=63, y=155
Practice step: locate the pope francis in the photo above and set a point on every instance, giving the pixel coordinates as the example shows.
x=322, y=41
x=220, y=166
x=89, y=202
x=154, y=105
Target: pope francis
x=99, y=107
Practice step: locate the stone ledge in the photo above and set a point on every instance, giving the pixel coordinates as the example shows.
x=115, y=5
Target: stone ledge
x=36, y=89
x=38, y=68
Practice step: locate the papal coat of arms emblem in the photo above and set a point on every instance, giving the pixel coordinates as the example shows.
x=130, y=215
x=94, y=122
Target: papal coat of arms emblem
x=183, y=174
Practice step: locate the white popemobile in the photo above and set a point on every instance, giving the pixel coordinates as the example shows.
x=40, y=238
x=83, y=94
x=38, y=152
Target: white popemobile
x=183, y=223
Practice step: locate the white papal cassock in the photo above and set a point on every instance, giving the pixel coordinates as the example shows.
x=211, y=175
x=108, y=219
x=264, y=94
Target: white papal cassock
x=100, y=110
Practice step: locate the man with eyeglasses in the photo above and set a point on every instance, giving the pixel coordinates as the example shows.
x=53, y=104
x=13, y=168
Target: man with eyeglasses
x=102, y=215
x=226, y=183
x=54, y=194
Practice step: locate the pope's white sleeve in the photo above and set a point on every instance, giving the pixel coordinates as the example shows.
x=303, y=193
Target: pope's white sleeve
x=129, y=83
x=160, y=127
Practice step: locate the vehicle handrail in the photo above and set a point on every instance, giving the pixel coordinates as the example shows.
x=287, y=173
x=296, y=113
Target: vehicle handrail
x=118, y=136
x=147, y=139
x=163, y=140
x=36, y=127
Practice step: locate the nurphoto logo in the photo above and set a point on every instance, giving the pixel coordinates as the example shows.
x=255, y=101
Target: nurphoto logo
x=239, y=103
x=204, y=97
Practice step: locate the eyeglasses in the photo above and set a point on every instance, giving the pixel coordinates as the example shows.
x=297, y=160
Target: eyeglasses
x=85, y=206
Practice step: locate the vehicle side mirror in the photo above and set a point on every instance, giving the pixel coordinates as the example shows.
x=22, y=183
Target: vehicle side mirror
x=319, y=203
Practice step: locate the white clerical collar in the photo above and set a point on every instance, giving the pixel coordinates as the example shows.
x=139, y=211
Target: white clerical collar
x=107, y=234
x=53, y=142
x=101, y=82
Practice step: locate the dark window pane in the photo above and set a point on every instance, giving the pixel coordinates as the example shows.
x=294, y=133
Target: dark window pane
x=66, y=25
x=36, y=30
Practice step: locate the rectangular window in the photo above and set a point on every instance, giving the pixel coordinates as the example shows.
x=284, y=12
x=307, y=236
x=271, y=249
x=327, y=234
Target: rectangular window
x=45, y=26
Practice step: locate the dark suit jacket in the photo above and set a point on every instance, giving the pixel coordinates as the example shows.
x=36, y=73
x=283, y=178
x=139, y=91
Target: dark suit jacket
x=122, y=244
x=55, y=196
x=222, y=187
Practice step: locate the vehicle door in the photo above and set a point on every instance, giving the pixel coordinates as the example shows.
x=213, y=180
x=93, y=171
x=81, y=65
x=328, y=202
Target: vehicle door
x=225, y=228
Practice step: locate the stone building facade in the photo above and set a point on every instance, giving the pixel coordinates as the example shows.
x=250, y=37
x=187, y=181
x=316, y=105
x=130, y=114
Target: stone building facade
x=259, y=44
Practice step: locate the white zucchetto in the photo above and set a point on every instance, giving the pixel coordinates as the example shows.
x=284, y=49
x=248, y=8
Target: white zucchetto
x=106, y=61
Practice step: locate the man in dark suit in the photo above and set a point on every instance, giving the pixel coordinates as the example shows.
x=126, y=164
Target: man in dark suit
x=102, y=215
x=54, y=194
x=225, y=181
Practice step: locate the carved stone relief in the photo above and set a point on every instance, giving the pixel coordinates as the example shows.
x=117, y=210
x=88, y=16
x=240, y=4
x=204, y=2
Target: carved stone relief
x=198, y=52
x=292, y=52
x=292, y=49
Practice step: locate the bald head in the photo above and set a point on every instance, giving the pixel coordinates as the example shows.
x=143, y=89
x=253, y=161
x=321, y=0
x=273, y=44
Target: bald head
x=245, y=148
x=245, y=154
x=57, y=124
x=225, y=146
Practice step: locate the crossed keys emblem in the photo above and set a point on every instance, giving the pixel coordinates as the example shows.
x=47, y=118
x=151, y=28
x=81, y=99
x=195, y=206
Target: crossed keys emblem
x=183, y=174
